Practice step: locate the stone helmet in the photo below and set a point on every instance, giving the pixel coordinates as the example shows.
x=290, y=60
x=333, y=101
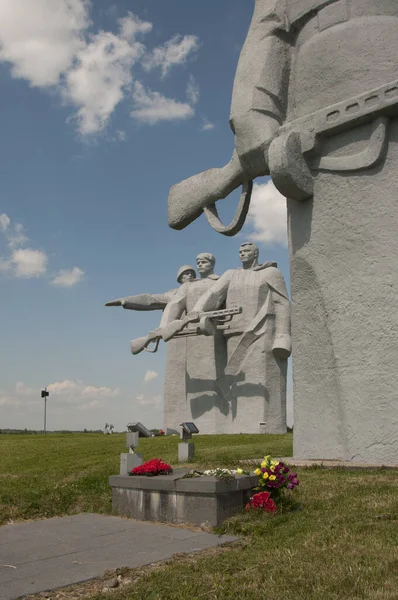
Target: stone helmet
x=183, y=270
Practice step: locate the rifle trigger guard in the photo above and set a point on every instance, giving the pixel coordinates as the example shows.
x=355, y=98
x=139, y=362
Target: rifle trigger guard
x=240, y=216
x=155, y=349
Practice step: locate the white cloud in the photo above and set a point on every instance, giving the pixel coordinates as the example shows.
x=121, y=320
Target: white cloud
x=4, y=265
x=40, y=39
x=48, y=43
x=17, y=237
x=4, y=222
x=131, y=26
x=150, y=376
x=90, y=405
x=13, y=232
x=192, y=90
x=174, y=52
x=23, y=390
x=120, y=135
x=68, y=277
x=100, y=78
x=267, y=221
x=22, y=406
x=28, y=263
x=151, y=401
x=6, y=400
x=74, y=391
x=207, y=125
x=21, y=397
x=151, y=107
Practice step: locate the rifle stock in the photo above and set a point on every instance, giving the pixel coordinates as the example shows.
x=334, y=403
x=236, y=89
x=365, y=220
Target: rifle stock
x=188, y=198
x=142, y=343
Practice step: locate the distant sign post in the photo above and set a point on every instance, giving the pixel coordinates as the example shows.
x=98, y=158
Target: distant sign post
x=45, y=394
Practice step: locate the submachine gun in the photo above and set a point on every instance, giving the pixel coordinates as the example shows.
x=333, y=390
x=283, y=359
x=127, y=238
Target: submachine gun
x=207, y=324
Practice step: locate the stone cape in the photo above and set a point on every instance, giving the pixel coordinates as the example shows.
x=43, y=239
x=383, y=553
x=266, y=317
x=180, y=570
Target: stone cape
x=256, y=387
x=205, y=361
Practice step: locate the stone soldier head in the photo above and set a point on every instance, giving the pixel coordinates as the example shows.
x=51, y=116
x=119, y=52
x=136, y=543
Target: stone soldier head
x=205, y=264
x=248, y=254
x=185, y=273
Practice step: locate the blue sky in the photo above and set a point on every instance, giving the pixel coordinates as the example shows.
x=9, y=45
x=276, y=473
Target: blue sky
x=104, y=107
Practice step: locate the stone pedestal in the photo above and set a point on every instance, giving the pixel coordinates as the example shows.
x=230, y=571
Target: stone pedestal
x=171, y=499
x=344, y=284
x=186, y=451
x=128, y=462
x=132, y=439
x=176, y=408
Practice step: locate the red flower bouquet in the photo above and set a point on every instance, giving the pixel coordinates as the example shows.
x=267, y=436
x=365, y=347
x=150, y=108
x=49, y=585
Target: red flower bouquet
x=261, y=501
x=152, y=467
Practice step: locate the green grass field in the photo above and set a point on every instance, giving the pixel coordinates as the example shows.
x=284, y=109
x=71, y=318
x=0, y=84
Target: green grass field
x=58, y=474
x=341, y=543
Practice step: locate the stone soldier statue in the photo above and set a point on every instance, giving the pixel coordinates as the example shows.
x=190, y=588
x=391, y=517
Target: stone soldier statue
x=315, y=105
x=258, y=342
x=174, y=384
x=205, y=357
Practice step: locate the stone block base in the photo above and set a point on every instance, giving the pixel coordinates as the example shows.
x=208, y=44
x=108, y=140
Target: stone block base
x=129, y=461
x=171, y=499
x=186, y=451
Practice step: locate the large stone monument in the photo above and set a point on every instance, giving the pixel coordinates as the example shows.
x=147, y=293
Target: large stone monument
x=205, y=359
x=174, y=385
x=258, y=343
x=315, y=105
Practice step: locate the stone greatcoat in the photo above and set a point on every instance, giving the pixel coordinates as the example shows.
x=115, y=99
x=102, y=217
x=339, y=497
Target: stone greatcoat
x=255, y=376
x=316, y=101
x=205, y=362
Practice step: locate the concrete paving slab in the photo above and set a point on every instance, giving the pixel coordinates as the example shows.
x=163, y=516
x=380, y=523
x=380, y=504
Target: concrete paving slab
x=44, y=555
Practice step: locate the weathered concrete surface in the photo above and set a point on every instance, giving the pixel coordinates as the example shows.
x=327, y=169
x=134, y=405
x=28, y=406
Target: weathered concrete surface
x=62, y=551
x=171, y=499
x=315, y=105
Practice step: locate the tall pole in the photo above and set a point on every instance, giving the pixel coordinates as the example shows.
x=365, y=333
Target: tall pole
x=45, y=408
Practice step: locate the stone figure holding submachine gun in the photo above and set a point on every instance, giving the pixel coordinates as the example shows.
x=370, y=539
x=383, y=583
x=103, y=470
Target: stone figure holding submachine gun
x=315, y=106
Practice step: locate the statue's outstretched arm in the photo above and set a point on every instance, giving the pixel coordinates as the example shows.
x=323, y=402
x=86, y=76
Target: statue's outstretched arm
x=143, y=302
x=259, y=96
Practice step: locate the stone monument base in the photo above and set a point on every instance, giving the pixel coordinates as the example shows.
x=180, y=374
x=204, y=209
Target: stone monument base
x=171, y=499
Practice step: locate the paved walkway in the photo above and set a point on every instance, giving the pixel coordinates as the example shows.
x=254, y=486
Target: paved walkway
x=62, y=551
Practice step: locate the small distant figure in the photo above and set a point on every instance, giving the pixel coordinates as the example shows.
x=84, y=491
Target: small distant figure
x=106, y=429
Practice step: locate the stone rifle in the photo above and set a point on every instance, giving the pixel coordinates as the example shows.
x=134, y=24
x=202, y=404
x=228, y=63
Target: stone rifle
x=292, y=155
x=208, y=323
